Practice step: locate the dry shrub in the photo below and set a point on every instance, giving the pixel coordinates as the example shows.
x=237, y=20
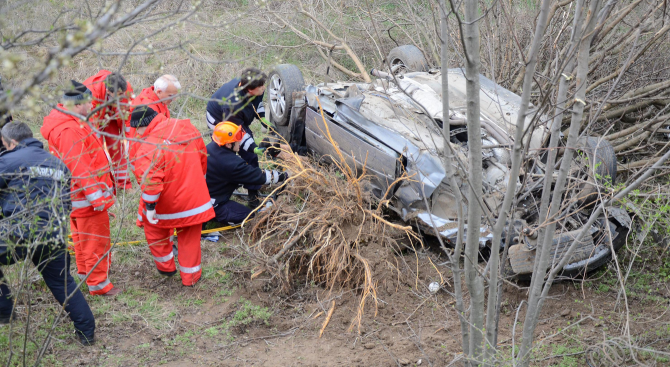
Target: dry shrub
x=320, y=228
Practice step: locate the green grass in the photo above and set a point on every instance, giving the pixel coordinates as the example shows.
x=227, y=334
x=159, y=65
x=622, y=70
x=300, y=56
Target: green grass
x=249, y=313
x=61, y=338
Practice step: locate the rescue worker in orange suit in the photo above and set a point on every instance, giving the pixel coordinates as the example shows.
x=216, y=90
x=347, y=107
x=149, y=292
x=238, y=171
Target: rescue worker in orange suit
x=111, y=93
x=160, y=95
x=228, y=171
x=92, y=190
x=158, y=98
x=170, y=165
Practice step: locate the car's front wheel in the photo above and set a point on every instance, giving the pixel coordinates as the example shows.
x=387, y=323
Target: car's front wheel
x=283, y=80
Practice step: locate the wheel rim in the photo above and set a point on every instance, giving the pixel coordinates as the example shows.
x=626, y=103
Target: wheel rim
x=277, y=100
x=398, y=66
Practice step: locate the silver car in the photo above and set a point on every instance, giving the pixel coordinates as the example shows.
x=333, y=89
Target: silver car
x=393, y=127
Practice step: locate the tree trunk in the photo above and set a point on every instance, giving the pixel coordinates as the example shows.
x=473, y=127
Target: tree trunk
x=449, y=169
x=472, y=278
x=491, y=313
x=542, y=257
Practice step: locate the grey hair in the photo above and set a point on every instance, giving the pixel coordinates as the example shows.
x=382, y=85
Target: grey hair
x=164, y=81
x=17, y=131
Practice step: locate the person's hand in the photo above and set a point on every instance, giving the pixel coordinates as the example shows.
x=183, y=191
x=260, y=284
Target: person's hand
x=99, y=208
x=271, y=146
x=151, y=216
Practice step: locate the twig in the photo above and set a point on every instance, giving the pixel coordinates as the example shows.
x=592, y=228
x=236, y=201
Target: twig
x=330, y=314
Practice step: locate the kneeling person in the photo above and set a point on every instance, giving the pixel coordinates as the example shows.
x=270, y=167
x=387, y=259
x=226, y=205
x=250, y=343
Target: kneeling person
x=34, y=196
x=227, y=171
x=170, y=164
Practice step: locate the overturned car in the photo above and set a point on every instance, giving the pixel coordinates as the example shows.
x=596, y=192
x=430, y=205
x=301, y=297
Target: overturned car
x=393, y=127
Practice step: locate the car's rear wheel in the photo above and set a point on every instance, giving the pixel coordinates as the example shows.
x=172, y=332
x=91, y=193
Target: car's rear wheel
x=283, y=80
x=407, y=58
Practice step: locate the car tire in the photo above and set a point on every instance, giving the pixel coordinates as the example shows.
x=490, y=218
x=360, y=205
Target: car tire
x=409, y=57
x=601, y=153
x=578, y=270
x=283, y=80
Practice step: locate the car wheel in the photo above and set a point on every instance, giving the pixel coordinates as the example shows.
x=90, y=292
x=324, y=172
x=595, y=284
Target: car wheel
x=598, y=153
x=407, y=58
x=283, y=80
x=601, y=256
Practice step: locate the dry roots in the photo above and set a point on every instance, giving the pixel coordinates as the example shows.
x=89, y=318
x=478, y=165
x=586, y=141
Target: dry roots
x=319, y=229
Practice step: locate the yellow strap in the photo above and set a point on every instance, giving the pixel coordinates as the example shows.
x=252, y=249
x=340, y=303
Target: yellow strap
x=221, y=229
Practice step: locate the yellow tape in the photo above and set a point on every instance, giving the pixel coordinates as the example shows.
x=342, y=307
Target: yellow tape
x=221, y=229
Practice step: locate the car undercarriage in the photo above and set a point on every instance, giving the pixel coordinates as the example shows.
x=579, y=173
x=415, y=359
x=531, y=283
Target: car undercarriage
x=391, y=131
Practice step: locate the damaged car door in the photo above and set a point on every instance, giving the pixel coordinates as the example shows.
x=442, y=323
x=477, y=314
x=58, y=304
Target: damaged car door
x=367, y=154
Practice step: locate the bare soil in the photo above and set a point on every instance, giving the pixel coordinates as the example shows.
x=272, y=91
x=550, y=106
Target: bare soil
x=229, y=320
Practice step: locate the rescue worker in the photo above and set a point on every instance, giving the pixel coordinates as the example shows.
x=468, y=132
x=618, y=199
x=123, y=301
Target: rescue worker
x=170, y=165
x=74, y=142
x=158, y=98
x=112, y=90
x=228, y=171
x=5, y=116
x=160, y=95
x=34, y=190
x=240, y=101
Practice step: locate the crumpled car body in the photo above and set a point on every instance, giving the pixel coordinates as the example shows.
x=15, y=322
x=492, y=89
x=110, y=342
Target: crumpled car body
x=392, y=127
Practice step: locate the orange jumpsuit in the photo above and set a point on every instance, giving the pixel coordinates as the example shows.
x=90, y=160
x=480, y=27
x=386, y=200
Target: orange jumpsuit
x=73, y=141
x=110, y=121
x=170, y=163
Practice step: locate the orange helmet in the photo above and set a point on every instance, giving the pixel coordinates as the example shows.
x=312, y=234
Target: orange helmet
x=227, y=132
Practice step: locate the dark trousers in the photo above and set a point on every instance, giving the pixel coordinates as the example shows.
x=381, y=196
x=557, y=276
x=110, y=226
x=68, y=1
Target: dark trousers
x=230, y=212
x=54, y=264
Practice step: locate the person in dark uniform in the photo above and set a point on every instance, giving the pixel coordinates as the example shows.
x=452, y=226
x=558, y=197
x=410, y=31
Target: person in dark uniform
x=35, y=202
x=240, y=101
x=226, y=171
x=5, y=116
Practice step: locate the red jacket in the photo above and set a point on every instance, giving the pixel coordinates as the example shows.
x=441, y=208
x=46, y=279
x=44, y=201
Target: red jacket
x=96, y=84
x=149, y=98
x=170, y=166
x=73, y=141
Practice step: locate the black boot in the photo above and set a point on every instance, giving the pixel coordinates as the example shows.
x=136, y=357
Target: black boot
x=86, y=341
x=168, y=273
x=6, y=319
x=254, y=201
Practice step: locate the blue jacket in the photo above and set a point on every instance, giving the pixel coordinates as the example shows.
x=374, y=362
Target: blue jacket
x=226, y=171
x=34, y=190
x=230, y=103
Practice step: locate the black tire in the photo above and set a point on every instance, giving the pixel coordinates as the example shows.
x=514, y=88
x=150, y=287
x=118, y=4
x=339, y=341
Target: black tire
x=578, y=269
x=283, y=80
x=602, y=256
x=599, y=153
x=409, y=56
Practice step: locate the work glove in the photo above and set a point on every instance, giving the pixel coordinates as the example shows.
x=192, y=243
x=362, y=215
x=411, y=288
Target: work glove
x=99, y=208
x=283, y=176
x=271, y=147
x=151, y=216
x=151, y=212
